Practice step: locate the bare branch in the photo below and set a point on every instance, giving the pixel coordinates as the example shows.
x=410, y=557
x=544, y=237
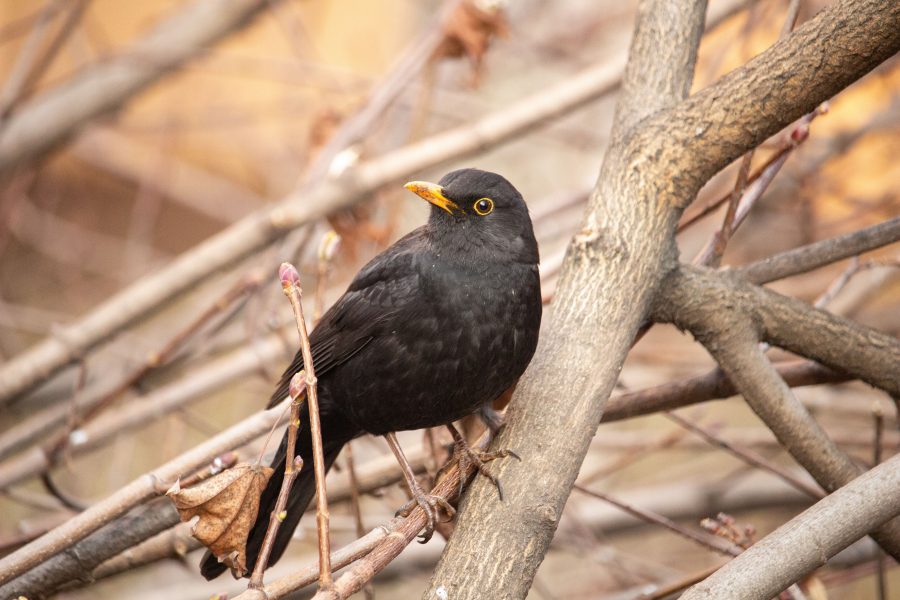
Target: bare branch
x=649, y=83
x=702, y=135
x=807, y=541
x=785, y=322
x=813, y=256
x=713, y=385
x=76, y=564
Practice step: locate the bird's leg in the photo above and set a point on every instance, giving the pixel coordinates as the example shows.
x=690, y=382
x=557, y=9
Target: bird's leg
x=491, y=418
x=430, y=503
x=465, y=456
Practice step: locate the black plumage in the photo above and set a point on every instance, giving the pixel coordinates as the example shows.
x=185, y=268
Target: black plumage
x=431, y=330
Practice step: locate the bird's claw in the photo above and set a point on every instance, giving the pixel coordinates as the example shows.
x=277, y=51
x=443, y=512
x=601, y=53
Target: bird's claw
x=465, y=456
x=432, y=505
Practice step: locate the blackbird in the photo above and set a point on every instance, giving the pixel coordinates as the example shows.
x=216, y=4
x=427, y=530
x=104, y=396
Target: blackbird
x=433, y=329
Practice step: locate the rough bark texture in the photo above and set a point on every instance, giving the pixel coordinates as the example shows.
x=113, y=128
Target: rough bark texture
x=806, y=542
x=614, y=266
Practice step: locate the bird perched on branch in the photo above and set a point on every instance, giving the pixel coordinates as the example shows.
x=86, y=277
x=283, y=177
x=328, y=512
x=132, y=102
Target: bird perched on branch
x=433, y=329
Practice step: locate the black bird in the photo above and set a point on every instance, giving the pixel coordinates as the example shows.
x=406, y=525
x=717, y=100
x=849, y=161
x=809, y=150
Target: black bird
x=433, y=329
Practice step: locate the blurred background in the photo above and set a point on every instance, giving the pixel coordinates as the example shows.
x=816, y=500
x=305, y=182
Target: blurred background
x=249, y=119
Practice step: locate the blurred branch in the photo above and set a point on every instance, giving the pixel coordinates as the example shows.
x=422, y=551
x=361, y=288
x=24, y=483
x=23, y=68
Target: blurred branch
x=195, y=188
x=76, y=564
x=50, y=118
x=709, y=542
x=261, y=228
x=804, y=543
x=257, y=230
x=35, y=56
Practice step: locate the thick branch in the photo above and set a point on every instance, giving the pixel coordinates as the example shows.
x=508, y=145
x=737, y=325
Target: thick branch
x=55, y=115
x=650, y=84
x=807, y=541
x=791, y=324
x=712, y=128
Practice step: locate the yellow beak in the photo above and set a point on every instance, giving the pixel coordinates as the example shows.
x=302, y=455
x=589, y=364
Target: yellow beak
x=432, y=193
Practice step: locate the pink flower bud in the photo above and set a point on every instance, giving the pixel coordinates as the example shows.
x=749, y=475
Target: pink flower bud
x=288, y=275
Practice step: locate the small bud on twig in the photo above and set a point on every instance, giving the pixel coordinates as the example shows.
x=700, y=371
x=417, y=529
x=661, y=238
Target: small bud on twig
x=289, y=276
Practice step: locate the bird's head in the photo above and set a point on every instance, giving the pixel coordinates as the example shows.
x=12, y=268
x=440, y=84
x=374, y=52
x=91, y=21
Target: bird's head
x=474, y=210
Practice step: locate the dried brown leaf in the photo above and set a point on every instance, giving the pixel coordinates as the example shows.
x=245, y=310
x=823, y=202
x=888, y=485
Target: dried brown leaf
x=227, y=506
x=468, y=31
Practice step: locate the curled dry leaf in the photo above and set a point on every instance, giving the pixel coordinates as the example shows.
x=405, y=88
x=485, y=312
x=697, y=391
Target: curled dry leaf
x=227, y=505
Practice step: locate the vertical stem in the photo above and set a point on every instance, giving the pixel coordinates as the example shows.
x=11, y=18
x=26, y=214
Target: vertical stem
x=290, y=280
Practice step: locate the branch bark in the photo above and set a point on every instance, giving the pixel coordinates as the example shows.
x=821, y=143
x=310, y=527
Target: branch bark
x=807, y=541
x=812, y=256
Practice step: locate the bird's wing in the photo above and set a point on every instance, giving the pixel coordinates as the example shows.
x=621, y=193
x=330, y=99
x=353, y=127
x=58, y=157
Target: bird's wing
x=380, y=289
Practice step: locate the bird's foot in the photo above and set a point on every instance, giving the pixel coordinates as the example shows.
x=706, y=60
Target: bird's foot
x=465, y=456
x=432, y=505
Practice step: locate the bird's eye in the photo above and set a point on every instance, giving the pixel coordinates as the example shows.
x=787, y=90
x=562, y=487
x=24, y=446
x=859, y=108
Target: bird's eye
x=483, y=206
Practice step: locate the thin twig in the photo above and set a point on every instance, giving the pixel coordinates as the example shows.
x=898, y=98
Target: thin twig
x=290, y=280
x=747, y=456
x=711, y=542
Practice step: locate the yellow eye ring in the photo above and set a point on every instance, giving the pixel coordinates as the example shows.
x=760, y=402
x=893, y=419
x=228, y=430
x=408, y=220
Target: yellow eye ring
x=483, y=206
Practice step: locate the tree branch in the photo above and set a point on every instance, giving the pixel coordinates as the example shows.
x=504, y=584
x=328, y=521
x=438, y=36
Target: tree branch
x=713, y=385
x=819, y=254
x=785, y=322
x=705, y=133
x=727, y=324
x=807, y=541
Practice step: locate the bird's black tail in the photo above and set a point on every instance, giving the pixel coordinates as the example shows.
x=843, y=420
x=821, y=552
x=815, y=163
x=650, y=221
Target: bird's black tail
x=336, y=431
